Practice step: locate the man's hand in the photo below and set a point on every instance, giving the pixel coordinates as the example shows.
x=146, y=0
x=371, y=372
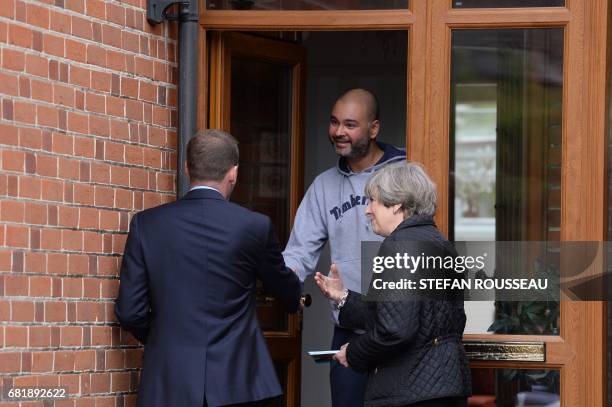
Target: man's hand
x=341, y=355
x=331, y=286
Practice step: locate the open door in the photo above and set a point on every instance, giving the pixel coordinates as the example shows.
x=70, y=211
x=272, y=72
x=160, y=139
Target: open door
x=256, y=91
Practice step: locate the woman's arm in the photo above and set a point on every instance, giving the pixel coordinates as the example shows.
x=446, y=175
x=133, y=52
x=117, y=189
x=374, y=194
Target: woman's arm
x=395, y=325
x=354, y=312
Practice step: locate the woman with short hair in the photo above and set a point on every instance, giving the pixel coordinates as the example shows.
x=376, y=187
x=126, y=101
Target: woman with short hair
x=411, y=349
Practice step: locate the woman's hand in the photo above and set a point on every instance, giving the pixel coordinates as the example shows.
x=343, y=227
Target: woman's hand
x=331, y=286
x=341, y=356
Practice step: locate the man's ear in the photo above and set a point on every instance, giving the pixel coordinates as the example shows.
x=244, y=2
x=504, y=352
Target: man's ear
x=233, y=175
x=374, y=129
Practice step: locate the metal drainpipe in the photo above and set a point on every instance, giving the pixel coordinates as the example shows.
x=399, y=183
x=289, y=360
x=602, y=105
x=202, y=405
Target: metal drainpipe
x=188, y=18
x=188, y=88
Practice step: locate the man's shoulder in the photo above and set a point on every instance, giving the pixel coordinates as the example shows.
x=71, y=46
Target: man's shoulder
x=326, y=177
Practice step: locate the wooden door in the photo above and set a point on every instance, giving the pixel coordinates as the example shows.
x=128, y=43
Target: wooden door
x=256, y=88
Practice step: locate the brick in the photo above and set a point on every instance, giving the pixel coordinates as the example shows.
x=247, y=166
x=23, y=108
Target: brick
x=52, y=190
x=148, y=92
x=16, y=337
x=55, y=311
x=47, y=116
x=46, y=165
x=57, y=263
x=77, y=51
x=96, y=55
x=9, y=85
x=12, y=211
x=99, y=126
x=13, y=161
x=29, y=187
x=37, y=65
x=115, y=107
x=100, y=383
x=38, y=16
x=42, y=361
x=101, y=335
x=20, y=36
x=95, y=8
x=51, y=239
x=39, y=337
x=78, y=122
x=117, y=60
x=63, y=95
x=108, y=266
x=109, y=220
x=109, y=289
x=84, y=147
x=85, y=360
x=40, y=286
x=115, y=13
x=17, y=236
x=41, y=90
x=72, y=240
x=71, y=335
x=10, y=362
x=104, y=196
x=101, y=81
x=91, y=288
x=120, y=129
x=134, y=110
x=81, y=27
x=78, y=264
x=60, y=22
x=124, y=199
x=88, y=218
x=25, y=112
x=35, y=262
x=133, y=154
x=129, y=42
x=30, y=138
x=100, y=173
x=16, y=285
x=53, y=45
x=120, y=381
x=139, y=178
x=36, y=214
x=8, y=10
x=112, y=36
x=64, y=361
x=95, y=103
x=22, y=311
x=68, y=169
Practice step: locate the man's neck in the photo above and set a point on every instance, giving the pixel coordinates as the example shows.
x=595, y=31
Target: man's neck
x=372, y=157
x=215, y=185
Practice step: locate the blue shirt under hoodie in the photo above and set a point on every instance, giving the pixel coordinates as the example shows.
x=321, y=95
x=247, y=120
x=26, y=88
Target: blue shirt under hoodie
x=333, y=209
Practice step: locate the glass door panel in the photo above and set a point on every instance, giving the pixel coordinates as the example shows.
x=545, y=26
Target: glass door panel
x=261, y=122
x=306, y=4
x=515, y=387
x=505, y=157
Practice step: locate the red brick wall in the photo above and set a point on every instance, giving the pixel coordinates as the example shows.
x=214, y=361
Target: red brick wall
x=87, y=138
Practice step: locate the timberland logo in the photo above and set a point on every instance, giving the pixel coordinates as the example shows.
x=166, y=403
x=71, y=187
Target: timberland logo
x=355, y=200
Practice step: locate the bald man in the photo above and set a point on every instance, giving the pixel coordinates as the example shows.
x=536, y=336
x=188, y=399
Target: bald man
x=333, y=210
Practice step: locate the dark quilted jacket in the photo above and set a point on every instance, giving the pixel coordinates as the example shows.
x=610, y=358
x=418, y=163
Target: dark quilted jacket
x=412, y=350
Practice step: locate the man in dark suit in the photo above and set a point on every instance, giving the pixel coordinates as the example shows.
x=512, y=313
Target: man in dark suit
x=187, y=289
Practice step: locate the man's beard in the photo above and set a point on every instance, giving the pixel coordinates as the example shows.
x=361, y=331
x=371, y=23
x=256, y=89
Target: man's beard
x=359, y=149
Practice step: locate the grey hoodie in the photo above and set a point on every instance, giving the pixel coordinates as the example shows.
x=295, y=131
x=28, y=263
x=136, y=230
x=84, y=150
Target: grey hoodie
x=333, y=209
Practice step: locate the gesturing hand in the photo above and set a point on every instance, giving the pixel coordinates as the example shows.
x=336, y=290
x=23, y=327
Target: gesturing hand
x=331, y=286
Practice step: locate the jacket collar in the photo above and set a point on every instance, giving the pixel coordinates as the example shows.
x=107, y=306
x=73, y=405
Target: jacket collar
x=204, y=194
x=416, y=220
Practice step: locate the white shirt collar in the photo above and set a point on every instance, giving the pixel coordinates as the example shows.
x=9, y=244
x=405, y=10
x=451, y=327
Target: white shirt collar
x=205, y=187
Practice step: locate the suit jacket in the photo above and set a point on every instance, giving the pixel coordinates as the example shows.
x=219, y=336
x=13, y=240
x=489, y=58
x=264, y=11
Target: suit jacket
x=187, y=292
